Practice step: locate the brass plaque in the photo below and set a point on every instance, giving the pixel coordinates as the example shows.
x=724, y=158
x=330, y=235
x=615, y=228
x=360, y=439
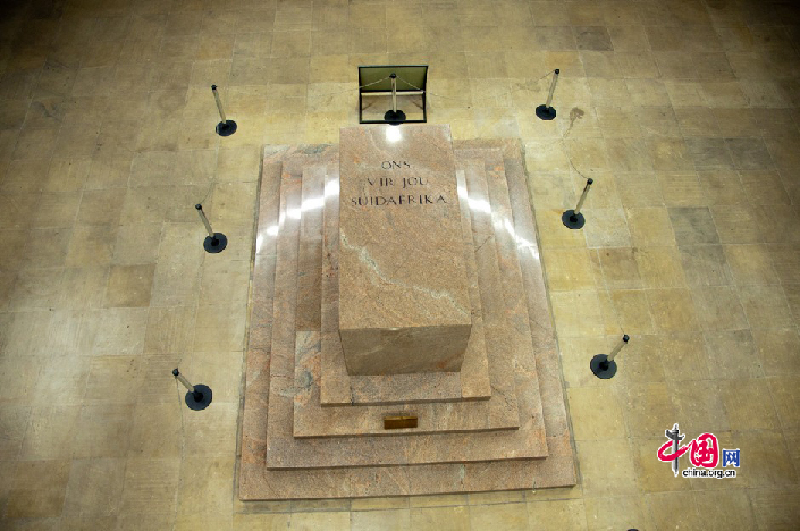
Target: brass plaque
x=398, y=422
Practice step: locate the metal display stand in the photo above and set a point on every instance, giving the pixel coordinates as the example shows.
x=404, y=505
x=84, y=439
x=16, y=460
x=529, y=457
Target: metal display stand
x=393, y=81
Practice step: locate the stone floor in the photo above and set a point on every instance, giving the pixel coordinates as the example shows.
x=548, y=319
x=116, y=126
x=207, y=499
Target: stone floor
x=684, y=113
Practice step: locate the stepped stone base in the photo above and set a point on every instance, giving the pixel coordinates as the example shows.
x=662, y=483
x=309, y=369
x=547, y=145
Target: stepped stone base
x=293, y=322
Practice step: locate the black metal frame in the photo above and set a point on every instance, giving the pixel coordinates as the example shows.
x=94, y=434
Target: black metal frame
x=362, y=90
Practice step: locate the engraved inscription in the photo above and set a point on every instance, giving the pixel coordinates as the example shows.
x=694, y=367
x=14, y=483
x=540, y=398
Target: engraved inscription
x=403, y=183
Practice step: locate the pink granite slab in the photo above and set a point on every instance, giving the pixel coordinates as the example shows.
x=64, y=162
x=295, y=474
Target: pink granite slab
x=404, y=302
x=472, y=383
x=312, y=420
x=310, y=252
x=287, y=452
x=339, y=388
x=256, y=482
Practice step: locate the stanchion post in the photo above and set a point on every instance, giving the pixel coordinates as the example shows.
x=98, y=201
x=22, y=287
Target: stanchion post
x=573, y=219
x=215, y=242
x=198, y=397
x=393, y=116
x=603, y=366
x=545, y=111
x=225, y=127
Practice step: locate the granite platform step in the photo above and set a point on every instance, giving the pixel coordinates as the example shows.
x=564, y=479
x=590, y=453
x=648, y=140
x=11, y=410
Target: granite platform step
x=257, y=482
x=498, y=413
x=286, y=451
x=529, y=442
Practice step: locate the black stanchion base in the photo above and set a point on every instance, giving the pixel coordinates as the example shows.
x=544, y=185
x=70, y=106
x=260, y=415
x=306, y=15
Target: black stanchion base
x=571, y=220
x=200, y=399
x=216, y=244
x=394, y=117
x=602, y=368
x=226, y=128
x=545, y=113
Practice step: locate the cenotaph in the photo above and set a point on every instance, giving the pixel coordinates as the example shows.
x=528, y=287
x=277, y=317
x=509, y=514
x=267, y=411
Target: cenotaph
x=400, y=339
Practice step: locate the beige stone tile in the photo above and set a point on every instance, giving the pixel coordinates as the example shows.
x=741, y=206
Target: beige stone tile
x=219, y=327
x=150, y=486
x=607, y=468
x=649, y=226
x=120, y=331
x=46, y=423
x=56, y=210
x=36, y=289
x=169, y=329
x=558, y=514
x=224, y=282
x=212, y=478
x=506, y=516
x=784, y=396
x=718, y=308
x=394, y=519
x=495, y=497
x=91, y=245
x=187, y=522
x=619, y=267
x=62, y=376
x=629, y=512
x=674, y=509
x=606, y=227
x=577, y=313
x=83, y=287
x=659, y=267
x=38, y=489
x=767, y=454
x=727, y=509
x=652, y=474
x=103, y=430
x=100, y=207
x=95, y=487
x=672, y=309
x=732, y=354
x=339, y=521
x=639, y=189
x=443, y=518
x=711, y=416
x=748, y=404
x=130, y=285
x=778, y=351
x=632, y=310
x=647, y=408
x=157, y=429
x=104, y=374
x=775, y=508
x=569, y=269
x=136, y=243
x=370, y=504
x=13, y=422
x=721, y=187
x=259, y=522
x=595, y=412
x=766, y=306
x=552, y=190
x=750, y=264
x=445, y=500
x=640, y=360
